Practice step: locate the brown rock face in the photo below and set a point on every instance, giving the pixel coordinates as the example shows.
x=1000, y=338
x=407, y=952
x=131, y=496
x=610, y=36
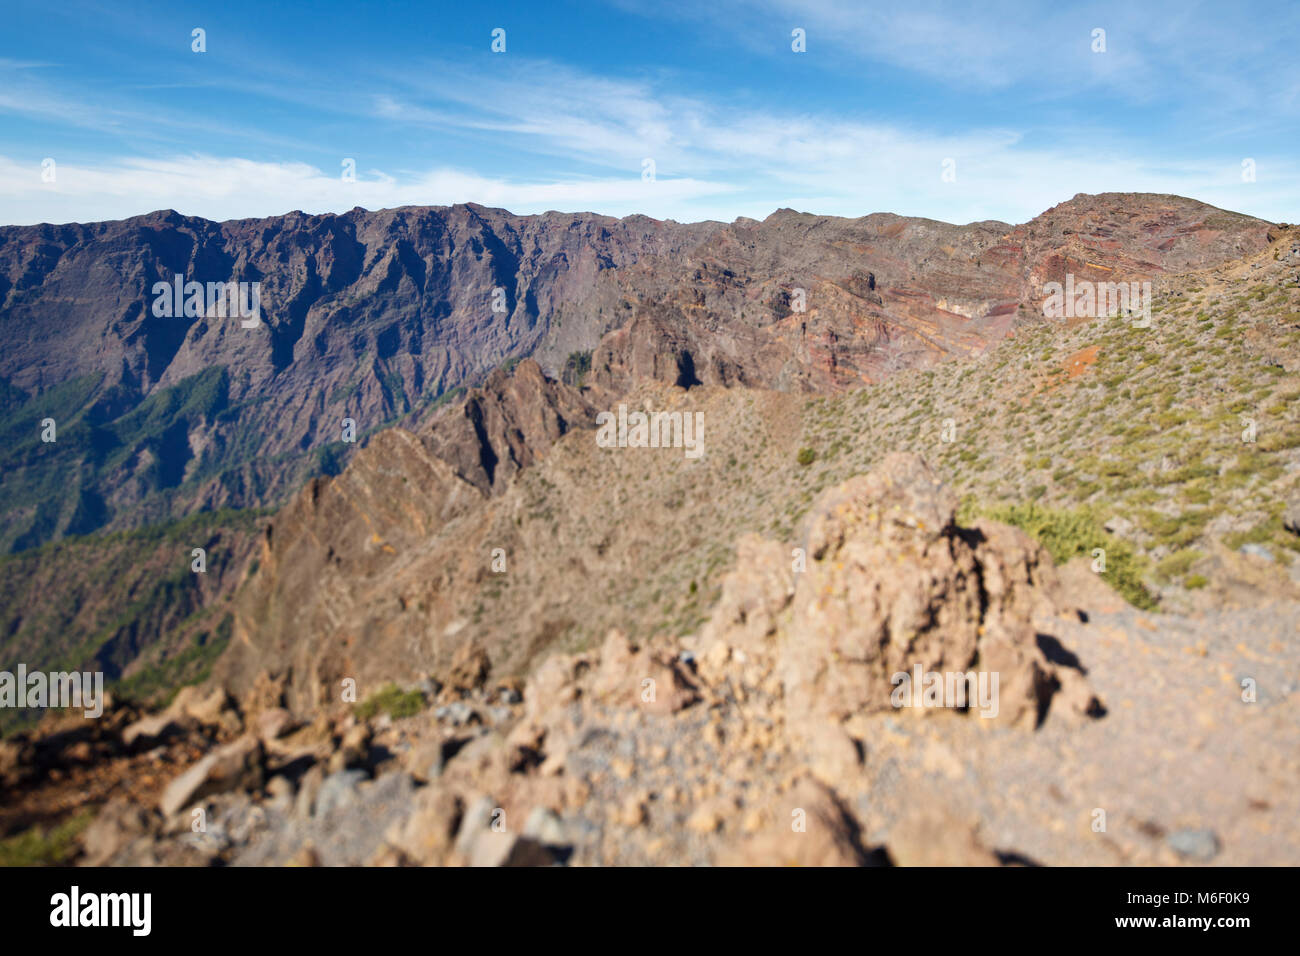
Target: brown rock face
x=366, y=315
x=816, y=303
x=501, y=427
x=307, y=615
x=806, y=827
x=343, y=535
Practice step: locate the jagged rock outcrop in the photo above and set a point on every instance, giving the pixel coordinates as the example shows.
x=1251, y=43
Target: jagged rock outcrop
x=501, y=427
x=338, y=545
x=885, y=583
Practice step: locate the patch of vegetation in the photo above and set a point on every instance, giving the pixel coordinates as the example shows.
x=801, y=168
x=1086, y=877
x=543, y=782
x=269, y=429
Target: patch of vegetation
x=576, y=367
x=391, y=700
x=39, y=846
x=1176, y=565
x=331, y=459
x=102, y=601
x=1073, y=533
x=52, y=488
x=806, y=456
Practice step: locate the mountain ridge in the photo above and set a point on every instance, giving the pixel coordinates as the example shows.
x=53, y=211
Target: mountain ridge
x=374, y=315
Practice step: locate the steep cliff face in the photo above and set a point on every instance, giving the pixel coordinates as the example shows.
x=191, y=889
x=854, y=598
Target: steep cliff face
x=373, y=316
x=337, y=541
x=368, y=316
x=412, y=287
x=502, y=427
x=409, y=522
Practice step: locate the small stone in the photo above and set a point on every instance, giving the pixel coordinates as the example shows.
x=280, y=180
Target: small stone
x=545, y=826
x=506, y=849
x=274, y=723
x=80, y=752
x=307, y=856
x=338, y=790
x=470, y=667
x=389, y=856
x=426, y=760
x=457, y=713
x=236, y=766
x=308, y=789
x=475, y=821
x=1256, y=550
x=632, y=813
x=425, y=837
x=280, y=791
x=1291, y=517
x=150, y=731
x=931, y=834
x=119, y=822
x=1121, y=527
x=706, y=819
x=353, y=750
x=1201, y=845
x=190, y=702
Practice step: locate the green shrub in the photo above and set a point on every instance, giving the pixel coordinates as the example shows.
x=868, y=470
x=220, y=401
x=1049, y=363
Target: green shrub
x=1068, y=534
x=576, y=367
x=37, y=846
x=806, y=456
x=1177, y=564
x=393, y=701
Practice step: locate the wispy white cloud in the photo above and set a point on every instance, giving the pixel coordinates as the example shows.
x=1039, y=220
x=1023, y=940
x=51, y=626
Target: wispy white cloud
x=842, y=165
x=219, y=188
x=7, y=63
x=839, y=171
x=1231, y=56
x=575, y=140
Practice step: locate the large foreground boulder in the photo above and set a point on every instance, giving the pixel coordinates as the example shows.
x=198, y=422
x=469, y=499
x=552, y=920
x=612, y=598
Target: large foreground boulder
x=885, y=584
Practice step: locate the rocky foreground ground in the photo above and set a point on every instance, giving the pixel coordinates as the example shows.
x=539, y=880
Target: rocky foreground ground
x=768, y=737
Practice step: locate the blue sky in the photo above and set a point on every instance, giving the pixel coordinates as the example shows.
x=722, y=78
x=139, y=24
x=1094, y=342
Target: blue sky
x=736, y=123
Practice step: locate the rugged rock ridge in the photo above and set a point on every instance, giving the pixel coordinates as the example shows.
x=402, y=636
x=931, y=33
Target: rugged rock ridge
x=525, y=691
x=373, y=315
x=369, y=316
x=390, y=510
x=884, y=292
x=503, y=426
